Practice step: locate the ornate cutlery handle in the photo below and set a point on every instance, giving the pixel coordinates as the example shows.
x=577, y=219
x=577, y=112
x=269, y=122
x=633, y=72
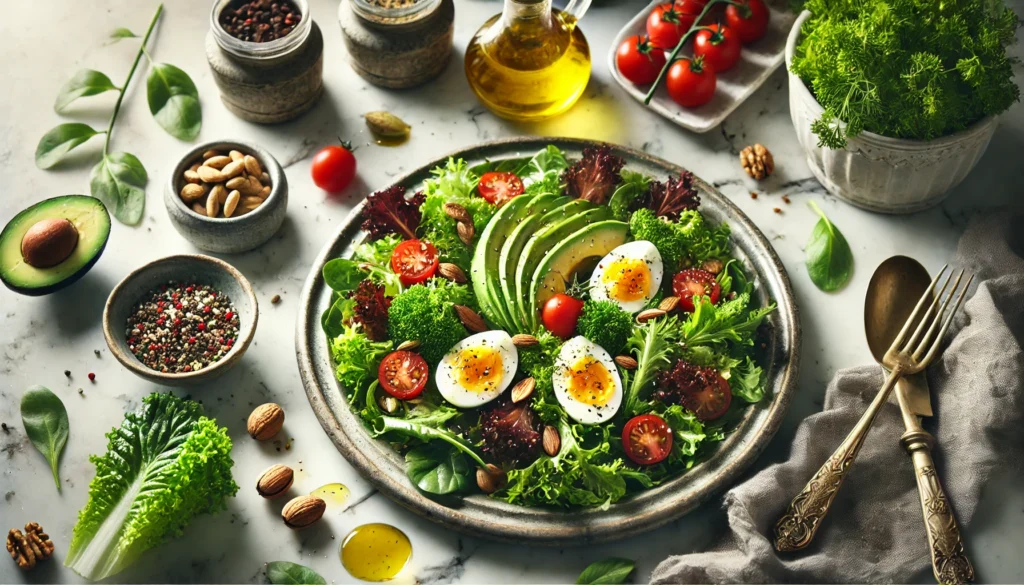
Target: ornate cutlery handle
x=949, y=563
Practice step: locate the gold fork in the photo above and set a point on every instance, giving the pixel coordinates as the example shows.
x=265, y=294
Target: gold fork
x=908, y=354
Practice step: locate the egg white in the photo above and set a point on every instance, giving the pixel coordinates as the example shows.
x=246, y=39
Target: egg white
x=447, y=378
x=572, y=351
x=638, y=250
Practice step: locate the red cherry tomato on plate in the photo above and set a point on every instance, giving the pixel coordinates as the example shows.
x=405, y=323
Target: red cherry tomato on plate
x=414, y=261
x=711, y=401
x=666, y=25
x=647, y=439
x=498, y=187
x=638, y=60
x=560, y=314
x=403, y=374
x=333, y=168
x=749, y=19
x=695, y=282
x=720, y=47
x=691, y=83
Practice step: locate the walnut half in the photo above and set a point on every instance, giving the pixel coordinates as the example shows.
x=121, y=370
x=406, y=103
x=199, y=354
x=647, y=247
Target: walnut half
x=29, y=548
x=757, y=161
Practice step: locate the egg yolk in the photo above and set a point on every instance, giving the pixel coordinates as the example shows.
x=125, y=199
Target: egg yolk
x=590, y=382
x=627, y=279
x=478, y=369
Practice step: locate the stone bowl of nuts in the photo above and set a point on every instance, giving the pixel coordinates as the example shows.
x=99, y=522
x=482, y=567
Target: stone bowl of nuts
x=181, y=320
x=227, y=196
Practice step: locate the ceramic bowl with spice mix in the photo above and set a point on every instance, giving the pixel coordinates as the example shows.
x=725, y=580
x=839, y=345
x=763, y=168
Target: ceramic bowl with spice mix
x=181, y=320
x=227, y=196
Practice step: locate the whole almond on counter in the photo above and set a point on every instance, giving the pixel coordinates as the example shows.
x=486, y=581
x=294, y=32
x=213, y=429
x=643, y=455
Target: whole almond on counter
x=648, y=314
x=524, y=340
x=470, y=318
x=491, y=479
x=275, y=481
x=452, y=273
x=551, y=441
x=523, y=390
x=626, y=362
x=265, y=421
x=303, y=511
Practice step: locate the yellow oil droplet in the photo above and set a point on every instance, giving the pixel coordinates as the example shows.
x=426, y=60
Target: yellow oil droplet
x=390, y=140
x=334, y=494
x=375, y=552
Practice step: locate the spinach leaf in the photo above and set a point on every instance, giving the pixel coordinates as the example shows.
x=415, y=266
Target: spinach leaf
x=333, y=319
x=85, y=83
x=285, y=573
x=59, y=141
x=424, y=429
x=343, y=275
x=438, y=469
x=174, y=101
x=46, y=423
x=611, y=571
x=119, y=181
x=829, y=259
x=626, y=196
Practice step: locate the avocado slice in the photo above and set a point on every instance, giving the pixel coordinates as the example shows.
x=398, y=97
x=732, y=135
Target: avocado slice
x=484, y=266
x=66, y=235
x=512, y=250
x=554, y=273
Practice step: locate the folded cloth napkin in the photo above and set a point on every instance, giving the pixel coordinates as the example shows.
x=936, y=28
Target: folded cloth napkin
x=874, y=532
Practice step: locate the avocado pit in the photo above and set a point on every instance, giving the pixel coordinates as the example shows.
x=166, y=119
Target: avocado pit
x=49, y=242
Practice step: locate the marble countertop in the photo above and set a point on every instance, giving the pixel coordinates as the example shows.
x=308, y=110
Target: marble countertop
x=46, y=41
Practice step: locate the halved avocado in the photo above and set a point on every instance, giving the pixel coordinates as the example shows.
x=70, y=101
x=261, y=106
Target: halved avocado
x=66, y=235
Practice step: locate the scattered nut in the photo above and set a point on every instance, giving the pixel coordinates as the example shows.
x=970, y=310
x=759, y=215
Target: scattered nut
x=713, y=265
x=452, y=273
x=387, y=403
x=757, y=161
x=470, y=318
x=490, y=479
x=466, y=232
x=456, y=212
x=303, y=511
x=648, y=314
x=275, y=481
x=265, y=421
x=524, y=340
x=551, y=441
x=669, y=304
x=408, y=345
x=626, y=362
x=386, y=125
x=30, y=547
x=523, y=390
x=275, y=299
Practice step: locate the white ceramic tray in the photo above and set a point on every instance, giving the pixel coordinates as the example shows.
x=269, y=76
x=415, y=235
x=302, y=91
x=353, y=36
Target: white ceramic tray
x=757, y=62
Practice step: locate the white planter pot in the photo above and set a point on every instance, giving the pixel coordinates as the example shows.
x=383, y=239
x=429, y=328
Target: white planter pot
x=883, y=174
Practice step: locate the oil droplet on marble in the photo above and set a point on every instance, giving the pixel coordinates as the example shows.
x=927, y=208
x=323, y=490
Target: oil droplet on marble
x=334, y=494
x=375, y=552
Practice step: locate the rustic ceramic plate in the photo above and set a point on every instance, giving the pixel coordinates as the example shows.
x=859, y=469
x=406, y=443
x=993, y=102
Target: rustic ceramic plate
x=757, y=62
x=480, y=515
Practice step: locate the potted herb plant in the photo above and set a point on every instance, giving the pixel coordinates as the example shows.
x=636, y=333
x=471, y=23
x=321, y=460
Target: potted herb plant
x=894, y=102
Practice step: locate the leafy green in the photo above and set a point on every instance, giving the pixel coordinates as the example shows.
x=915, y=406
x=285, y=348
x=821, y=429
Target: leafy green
x=375, y=257
x=119, y=181
x=121, y=33
x=905, y=68
x=829, y=258
x=438, y=469
x=285, y=573
x=607, y=571
x=538, y=362
x=343, y=276
x=745, y=381
x=730, y=321
x=684, y=243
x=46, y=423
x=453, y=183
x=424, y=313
x=86, y=82
x=165, y=465
x=604, y=323
x=174, y=101
x=55, y=144
x=654, y=344
x=356, y=359
x=628, y=195
x=428, y=427
x=543, y=172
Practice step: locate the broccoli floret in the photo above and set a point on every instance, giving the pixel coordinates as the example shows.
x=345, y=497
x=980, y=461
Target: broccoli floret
x=684, y=243
x=424, y=313
x=538, y=362
x=665, y=236
x=604, y=323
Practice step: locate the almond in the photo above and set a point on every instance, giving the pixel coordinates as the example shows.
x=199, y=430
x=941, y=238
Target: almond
x=456, y=212
x=303, y=511
x=470, y=318
x=199, y=208
x=231, y=203
x=626, y=362
x=524, y=340
x=466, y=232
x=236, y=155
x=551, y=441
x=265, y=421
x=210, y=174
x=275, y=481
x=192, y=192
x=408, y=345
x=212, y=206
x=264, y=193
x=254, y=187
x=669, y=304
x=237, y=183
x=490, y=479
x=233, y=169
x=523, y=390
x=387, y=403
x=219, y=192
x=713, y=265
x=192, y=176
x=452, y=272
x=210, y=154
x=217, y=162
x=648, y=314
x=252, y=166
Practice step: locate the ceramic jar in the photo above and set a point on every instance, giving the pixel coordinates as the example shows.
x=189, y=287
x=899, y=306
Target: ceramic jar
x=398, y=47
x=268, y=82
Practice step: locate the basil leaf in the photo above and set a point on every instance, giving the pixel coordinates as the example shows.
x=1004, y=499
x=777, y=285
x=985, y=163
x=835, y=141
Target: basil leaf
x=46, y=423
x=56, y=143
x=829, y=259
x=119, y=181
x=285, y=573
x=343, y=275
x=85, y=83
x=333, y=319
x=121, y=33
x=613, y=570
x=174, y=101
x=438, y=469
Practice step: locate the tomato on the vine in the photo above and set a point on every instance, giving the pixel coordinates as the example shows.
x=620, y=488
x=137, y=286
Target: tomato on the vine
x=691, y=83
x=414, y=261
x=498, y=187
x=711, y=401
x=560, y=314
x=695, y=282
x=403, y=374
x=333, y=168
x=749, y=19
x=638, y=60
x=719, y=45
x=647, y=439
x=666, y=25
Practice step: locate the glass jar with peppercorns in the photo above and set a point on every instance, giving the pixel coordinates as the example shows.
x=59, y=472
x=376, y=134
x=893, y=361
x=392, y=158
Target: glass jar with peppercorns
x=266, y=57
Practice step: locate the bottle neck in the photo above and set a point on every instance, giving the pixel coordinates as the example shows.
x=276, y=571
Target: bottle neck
x=537, y=12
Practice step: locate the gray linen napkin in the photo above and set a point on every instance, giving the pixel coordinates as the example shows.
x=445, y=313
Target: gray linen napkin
x=874, y=532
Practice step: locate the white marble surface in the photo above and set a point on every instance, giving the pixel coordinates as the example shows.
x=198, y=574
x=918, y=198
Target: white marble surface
x=44, y=42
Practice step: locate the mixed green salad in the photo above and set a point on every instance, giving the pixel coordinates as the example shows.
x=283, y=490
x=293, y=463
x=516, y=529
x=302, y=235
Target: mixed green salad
x=551, y=332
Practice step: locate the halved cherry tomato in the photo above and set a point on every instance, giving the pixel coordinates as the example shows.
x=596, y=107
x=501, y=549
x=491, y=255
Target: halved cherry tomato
x=560, y=314
x=691, y=83
x=647, y=439
x=695, y=282
x=666, y=25
x=720, y=47
x=403, y=374
x=499, y=187
x=638, y=60
x=414, y=261
x=711, y=401
x=749, y=19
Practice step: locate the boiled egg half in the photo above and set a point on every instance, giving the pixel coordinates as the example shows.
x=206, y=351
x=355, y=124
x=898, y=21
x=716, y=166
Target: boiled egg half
x=586, y=382
x=478, y=369
x=629, y=275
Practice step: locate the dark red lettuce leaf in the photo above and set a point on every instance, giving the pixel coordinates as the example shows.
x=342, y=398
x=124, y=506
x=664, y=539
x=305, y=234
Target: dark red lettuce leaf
x=595, y=176
x=671, y=198
x=681, y=379
x=390, y=212
x=371, y=310
x=511, y=433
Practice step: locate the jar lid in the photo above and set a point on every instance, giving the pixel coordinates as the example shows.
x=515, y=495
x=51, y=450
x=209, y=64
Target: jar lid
x=394, y=12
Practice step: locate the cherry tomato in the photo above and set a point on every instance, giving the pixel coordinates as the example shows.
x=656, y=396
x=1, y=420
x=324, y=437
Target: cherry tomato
x=720, y=47
x=333, y=168
x=498, y=187
x=403, y=374
x=695, y=282
x=638, y=60
x=689, y=5
x=666, y=25
x=647, y=439
x=691, y=83
x=414, y=261
x=560, y=314
x=711, y=401
x=749, y=19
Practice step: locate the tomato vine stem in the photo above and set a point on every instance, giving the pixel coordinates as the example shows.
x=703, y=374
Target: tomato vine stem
x=696, y=26
x=131, y=73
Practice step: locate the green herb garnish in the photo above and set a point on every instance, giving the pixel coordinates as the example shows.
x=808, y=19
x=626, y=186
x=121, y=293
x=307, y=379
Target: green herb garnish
x=829, y=259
